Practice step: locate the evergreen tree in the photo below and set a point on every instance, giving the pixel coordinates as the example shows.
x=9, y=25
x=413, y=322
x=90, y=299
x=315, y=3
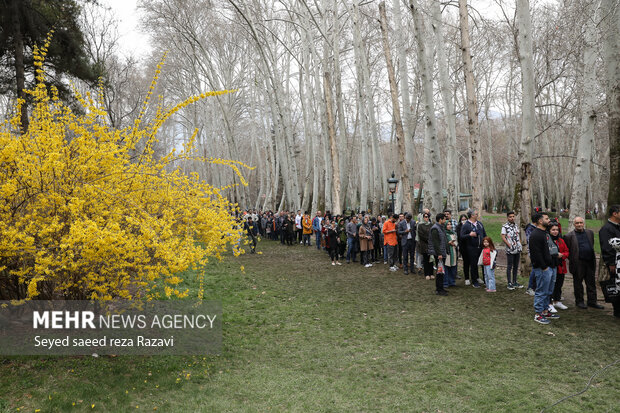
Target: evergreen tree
x=24, y=24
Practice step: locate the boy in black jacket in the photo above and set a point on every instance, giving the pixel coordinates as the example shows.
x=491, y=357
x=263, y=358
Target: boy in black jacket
x=609, y=254
x=541, y=266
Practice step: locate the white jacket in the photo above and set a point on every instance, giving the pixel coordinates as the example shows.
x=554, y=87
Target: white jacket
x=493, y=256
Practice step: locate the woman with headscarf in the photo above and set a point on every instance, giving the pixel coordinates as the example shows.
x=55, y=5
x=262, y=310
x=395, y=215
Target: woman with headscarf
x=451, y=259
x=424, y=229
x=366, y=241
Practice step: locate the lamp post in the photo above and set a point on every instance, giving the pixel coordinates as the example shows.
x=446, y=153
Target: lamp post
x=392, y=183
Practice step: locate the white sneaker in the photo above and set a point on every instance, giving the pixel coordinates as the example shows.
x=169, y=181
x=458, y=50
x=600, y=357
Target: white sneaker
x=333, y=263
x=530, y=291
x=480, y=281
x=467, y=282
x=367, y=265
x=301, y=243
x=393, y=269
x=558, y=304
x=552, y=308
x=338, y=263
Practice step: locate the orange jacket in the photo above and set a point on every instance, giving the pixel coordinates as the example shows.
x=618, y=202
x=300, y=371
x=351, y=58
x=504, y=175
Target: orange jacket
x=389, y=239
x=306, y=223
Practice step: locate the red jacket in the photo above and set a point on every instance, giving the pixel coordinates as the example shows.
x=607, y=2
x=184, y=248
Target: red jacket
x=564, y=251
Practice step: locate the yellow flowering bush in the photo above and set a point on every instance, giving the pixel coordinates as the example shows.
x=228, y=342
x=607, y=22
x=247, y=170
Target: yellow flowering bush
x=87, y=211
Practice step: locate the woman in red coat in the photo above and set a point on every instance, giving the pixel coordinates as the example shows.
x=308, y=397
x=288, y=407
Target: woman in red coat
x=559, y=281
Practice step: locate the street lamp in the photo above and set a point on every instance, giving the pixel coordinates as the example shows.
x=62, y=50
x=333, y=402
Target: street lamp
x=392, y=183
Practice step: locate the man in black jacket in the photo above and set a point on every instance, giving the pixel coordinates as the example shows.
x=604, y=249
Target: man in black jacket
x=472, y=233
x=541, y=267
x=438, y=247
x=609, y=254
x=582, y=263
x=406, y=230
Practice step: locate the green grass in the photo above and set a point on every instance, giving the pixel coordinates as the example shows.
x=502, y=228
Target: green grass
x=301, y=335
x=493, y=225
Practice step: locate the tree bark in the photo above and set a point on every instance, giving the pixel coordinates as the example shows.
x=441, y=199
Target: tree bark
x=472, y=110
x=20, y=74
x=581, y=175
x=452, y=172
x=528, y=128
x=433, y=197
x=400, y=134
x=331, y=128
x=611, y=49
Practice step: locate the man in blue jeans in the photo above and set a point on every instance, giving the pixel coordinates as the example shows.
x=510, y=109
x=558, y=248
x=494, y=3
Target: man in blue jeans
x=316, y=228
x=541, y=267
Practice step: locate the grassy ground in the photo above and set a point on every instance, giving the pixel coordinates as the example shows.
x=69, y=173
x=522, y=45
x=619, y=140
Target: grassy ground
x=301, y=335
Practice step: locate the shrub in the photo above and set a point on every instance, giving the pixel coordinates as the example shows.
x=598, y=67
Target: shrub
x=80, y=218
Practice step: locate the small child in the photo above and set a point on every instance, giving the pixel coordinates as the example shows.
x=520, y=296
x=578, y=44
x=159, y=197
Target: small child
x=487, y=260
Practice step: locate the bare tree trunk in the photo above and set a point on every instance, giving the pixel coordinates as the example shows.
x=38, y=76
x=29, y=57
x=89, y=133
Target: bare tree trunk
x=400, y=134
x=433, y=197
x=528, y=128
x=611, y=49
x=472, y=109
x=408, y=116
x=452, y=169
x=20, y=76
x=331, y=128
x=364, y=164
x=581, y=176
x=342, y=127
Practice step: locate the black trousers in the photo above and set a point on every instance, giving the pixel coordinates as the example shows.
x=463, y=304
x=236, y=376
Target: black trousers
x=473, y=255
x=333, y=252
x=426, y=262
x=439, y=277
x=465, y=257
x=409, y=255
x=557, y=288
x=512, y=267
x=585, y=272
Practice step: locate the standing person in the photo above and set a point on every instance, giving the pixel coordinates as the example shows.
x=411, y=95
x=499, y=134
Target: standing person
x=406, y=229
x=582, y=263
x=299, y=227
x=448, y=214
x=332, y=241
x=463, y=248
x=376, y=239
x=390, y=241
x=609, y=238
x=473, y=232
x=342, y=238
x=487, y=261
x=351, y=229
x=510, y=237
x=251, y=230
x=316, y=227
x=541, y=267
x=451, y=260
x=399, y=248
x=438, y=248
x=560, y=267
x=419, y=260
x=366, y=245
x=424, y=229
x=306, y=224
x=290, y=230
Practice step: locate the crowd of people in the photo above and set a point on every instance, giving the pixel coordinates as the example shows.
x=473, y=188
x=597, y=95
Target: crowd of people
x=430, y=246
